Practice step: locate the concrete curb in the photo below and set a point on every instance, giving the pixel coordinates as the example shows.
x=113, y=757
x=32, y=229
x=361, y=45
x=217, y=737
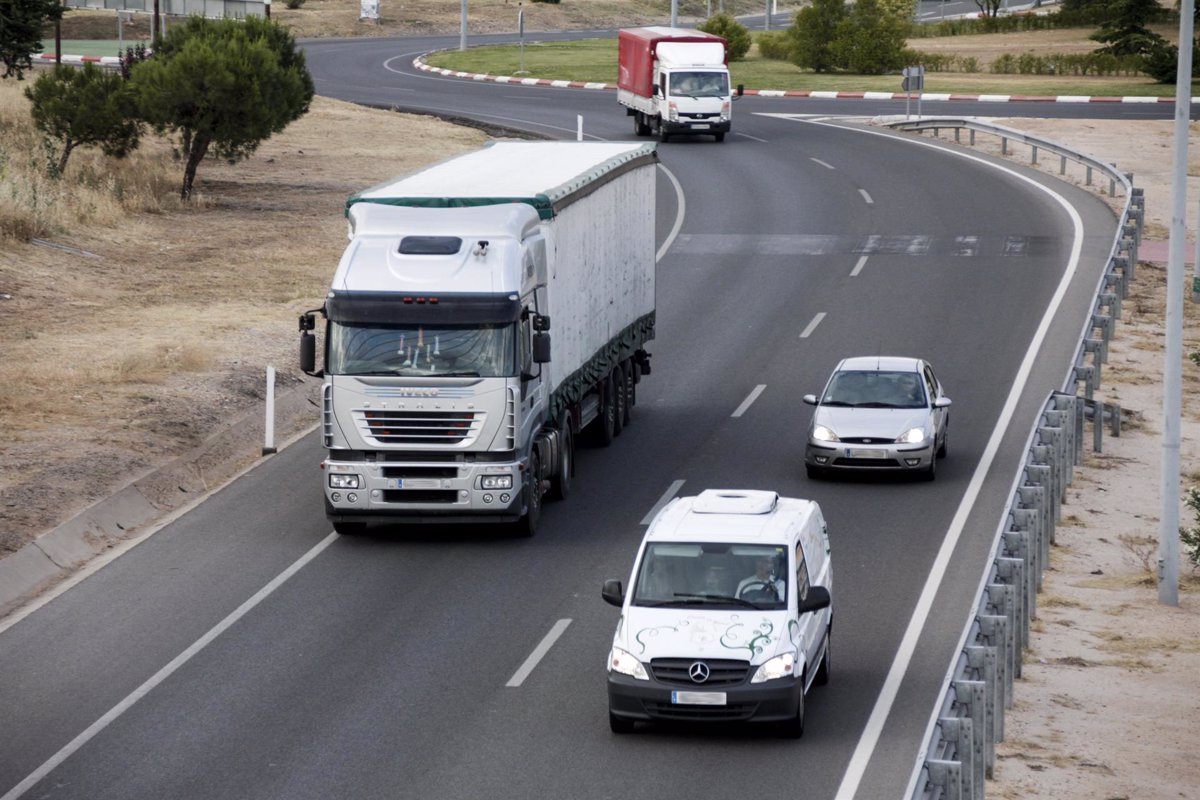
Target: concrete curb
x=419, y=63
x=187, y=479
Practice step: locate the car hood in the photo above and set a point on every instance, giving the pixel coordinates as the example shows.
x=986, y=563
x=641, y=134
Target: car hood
x=745, y=634
x=882, y=423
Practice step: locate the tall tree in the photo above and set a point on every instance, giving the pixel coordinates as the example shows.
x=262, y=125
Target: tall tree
x=21, y=24
x=1124, y=30
x=224, y=86
x=813, y=35
x=989, y=8
x=84, y=107
x=870, y=42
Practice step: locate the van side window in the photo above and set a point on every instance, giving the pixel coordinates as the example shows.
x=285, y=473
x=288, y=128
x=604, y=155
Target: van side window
x=801, y=574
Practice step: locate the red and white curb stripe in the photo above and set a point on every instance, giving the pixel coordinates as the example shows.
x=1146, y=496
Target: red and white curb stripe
x=926, y=96
x=106, y=61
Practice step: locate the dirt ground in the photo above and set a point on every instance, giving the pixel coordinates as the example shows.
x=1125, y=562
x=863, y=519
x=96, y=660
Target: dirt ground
x=157, y=332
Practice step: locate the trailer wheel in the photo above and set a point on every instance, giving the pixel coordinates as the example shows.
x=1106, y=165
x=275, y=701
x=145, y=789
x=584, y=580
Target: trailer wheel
x=528, y=524
x=630, y=391
x=560, y=484
x=606, y=422
x=620, y=399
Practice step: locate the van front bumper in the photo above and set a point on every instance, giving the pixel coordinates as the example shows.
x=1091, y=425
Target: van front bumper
x=654, y=701
x=696, y=126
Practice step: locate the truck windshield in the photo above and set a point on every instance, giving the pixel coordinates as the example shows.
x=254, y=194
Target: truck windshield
x=484, y=351
x=712, y=574
x=700, y=84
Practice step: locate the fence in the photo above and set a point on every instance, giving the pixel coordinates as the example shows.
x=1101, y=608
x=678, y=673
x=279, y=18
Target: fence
x=179, y=8
x=959, y=750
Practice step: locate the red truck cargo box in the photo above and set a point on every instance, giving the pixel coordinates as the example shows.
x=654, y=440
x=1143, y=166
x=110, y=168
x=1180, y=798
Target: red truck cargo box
x=635, y=54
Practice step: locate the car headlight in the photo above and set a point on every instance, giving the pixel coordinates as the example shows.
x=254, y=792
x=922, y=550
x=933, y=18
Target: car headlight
x=497, y=482
x=626, y=664
x=778, y=667
x=911, y=436
x=823, y=434
x=337, y=481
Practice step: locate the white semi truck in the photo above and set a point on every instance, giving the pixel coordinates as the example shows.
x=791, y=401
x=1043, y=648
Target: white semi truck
x=443, y=399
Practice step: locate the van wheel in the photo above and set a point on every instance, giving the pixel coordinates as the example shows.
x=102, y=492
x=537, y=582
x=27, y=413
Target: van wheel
x=560, y=484
x=528, y=524
x=794, y=727
x=720, y=137
x=619, y=724
x=823, y=671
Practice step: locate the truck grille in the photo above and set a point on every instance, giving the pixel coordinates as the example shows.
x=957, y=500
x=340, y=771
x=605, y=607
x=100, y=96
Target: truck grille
x=390, y=427
x=722, y=672
x=421, y=496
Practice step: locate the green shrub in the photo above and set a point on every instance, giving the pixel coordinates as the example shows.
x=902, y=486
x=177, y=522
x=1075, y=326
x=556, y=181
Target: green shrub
x=732, y=31
x=294, y=4
x=775, y=45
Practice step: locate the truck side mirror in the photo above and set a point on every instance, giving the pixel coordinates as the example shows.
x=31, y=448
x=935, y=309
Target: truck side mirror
x=741, y=89
x=541, y=348
x=612, y=593
x=308, y=344
x=655, y=91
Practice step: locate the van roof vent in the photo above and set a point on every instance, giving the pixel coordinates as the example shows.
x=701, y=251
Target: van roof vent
x=735, y=501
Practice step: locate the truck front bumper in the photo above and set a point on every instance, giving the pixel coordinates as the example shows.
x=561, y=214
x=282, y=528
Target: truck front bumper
x=423, y=492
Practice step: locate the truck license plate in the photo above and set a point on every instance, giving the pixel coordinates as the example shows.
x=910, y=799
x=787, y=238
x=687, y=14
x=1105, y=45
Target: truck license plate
x=415, y=483
x=698, y=698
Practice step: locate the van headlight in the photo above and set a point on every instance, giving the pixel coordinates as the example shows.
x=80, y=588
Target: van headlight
x=778, y=667
x=625, y=663
x=911, y=436
x=337, y=481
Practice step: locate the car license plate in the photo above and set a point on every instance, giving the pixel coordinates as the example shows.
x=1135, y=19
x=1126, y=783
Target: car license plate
x=865, y=453
x=701, y=127
x=415, y=483
x=698, y=698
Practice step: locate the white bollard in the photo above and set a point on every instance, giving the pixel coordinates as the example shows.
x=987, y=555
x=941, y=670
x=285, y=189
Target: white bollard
x=269, y=436
x=579, y=127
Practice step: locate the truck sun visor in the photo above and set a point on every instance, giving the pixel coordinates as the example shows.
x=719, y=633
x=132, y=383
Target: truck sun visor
x=430, y=245
x=383, y=308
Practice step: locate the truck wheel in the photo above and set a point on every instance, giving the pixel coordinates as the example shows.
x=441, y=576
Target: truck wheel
x=350, y=528
x=620, y=399
x=630, y=391
x=640, y=126
x=663, y=136
x=720, y=137
x=606, y=423
x=528, y=524
x=560, y=484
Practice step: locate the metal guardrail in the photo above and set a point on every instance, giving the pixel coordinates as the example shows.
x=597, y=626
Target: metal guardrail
x=178, y=8
x=959, y=751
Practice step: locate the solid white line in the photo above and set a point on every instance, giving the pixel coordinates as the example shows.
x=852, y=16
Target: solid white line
x=866, y=196
x=667, y=497
x=748, y=136
x=666, y=245
x=822, y=163
x=858, y=267
x=164, y=673
x=891, y=685
x=538, y=653
x=749, y=400
x=812, y=326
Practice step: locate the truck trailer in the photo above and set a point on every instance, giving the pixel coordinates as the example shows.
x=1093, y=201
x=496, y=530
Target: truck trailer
x=442, y=398
x=675, y=80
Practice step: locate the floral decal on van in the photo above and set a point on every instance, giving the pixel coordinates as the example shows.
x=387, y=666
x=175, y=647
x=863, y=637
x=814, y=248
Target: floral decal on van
x=731, y=633
x=753, y=640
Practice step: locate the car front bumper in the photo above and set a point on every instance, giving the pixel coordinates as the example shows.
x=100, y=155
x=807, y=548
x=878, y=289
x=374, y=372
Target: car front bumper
x=842, y=455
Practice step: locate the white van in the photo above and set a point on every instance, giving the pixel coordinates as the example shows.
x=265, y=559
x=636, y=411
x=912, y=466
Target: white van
x=728, y=614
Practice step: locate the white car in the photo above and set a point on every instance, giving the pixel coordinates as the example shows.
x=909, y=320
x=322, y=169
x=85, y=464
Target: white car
x=728, y=615
x=878, y=413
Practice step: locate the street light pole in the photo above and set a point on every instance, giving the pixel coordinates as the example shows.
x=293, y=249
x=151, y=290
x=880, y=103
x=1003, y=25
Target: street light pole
x=462, y=28
x=674, y=13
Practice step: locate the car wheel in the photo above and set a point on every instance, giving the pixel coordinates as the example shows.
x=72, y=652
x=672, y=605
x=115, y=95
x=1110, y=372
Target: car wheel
x=815, y=473
x=794, y=727
x=931, y=471
x=941, y=453
x=619, y=724
x=823, y=671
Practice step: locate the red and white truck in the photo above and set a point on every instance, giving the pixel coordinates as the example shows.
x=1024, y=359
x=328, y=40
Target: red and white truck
x=675, y=81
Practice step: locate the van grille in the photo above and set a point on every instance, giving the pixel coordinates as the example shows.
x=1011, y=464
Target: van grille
x=722, y=672
x=391, y=427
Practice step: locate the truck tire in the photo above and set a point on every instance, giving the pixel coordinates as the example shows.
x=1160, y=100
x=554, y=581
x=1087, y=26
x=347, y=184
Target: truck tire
x=620, y=399
x=345, y=528
x=640, y=126
x=630, y=391
x=560, y=484
x=606, y=422
x=528, y=524
x=663, y=136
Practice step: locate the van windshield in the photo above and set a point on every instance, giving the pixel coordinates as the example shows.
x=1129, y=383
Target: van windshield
x=713, y=574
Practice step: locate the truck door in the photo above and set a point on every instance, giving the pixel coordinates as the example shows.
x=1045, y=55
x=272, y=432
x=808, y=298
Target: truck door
x=532, y=379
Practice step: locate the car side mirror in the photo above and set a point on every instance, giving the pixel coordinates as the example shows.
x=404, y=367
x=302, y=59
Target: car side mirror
x=809, y=399
x=941, y=402
x=612, y=593
x=818, y=597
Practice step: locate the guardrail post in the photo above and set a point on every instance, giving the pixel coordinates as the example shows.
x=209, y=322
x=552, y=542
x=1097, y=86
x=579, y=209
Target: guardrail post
x=1062, y=165
x=1016, y=543
x=1013, y=571
x=1089, y=175
x=958, y=730
x=1033, y=154
x=1093, y=346
x=1129, y=245
x=1003, y=145
x=1104, y=323
x=1098, y=426
x=983, y=661
x=947, y=776
x=1112, y=301
x=1085, y=373
x=1121, y=262
x=1063, y=416
x=996, y=629
x=1080, y=406
x=972, y=139
x=971, y=694
x=1116, y=420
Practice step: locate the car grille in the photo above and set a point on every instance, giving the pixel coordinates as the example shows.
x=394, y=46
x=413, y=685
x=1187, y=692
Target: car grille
x=866, y=463
x=722, y=672
x=419, y=427
x=730, y=713
x=864, y=440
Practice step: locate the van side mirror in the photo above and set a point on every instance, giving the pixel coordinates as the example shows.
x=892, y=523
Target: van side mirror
x=741, y=89
x=612, y=593
x=541, y=348
x=818, y=597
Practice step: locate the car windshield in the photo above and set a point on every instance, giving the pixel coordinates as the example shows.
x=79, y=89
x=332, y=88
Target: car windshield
x=481, y=351
x=700, y=84
x=720, y=575
x=875, y=389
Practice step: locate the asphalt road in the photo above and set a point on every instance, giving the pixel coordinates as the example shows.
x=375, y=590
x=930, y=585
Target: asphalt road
x=245, y=651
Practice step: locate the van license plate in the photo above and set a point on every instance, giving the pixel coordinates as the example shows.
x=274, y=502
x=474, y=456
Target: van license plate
x=701, y=127
x=698, y=698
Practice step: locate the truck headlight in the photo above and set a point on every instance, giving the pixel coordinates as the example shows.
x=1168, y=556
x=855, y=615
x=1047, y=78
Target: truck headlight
x=911, y=436
x=626, y=664
x=337, y=481
x=496, y=482
x=778, y=667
